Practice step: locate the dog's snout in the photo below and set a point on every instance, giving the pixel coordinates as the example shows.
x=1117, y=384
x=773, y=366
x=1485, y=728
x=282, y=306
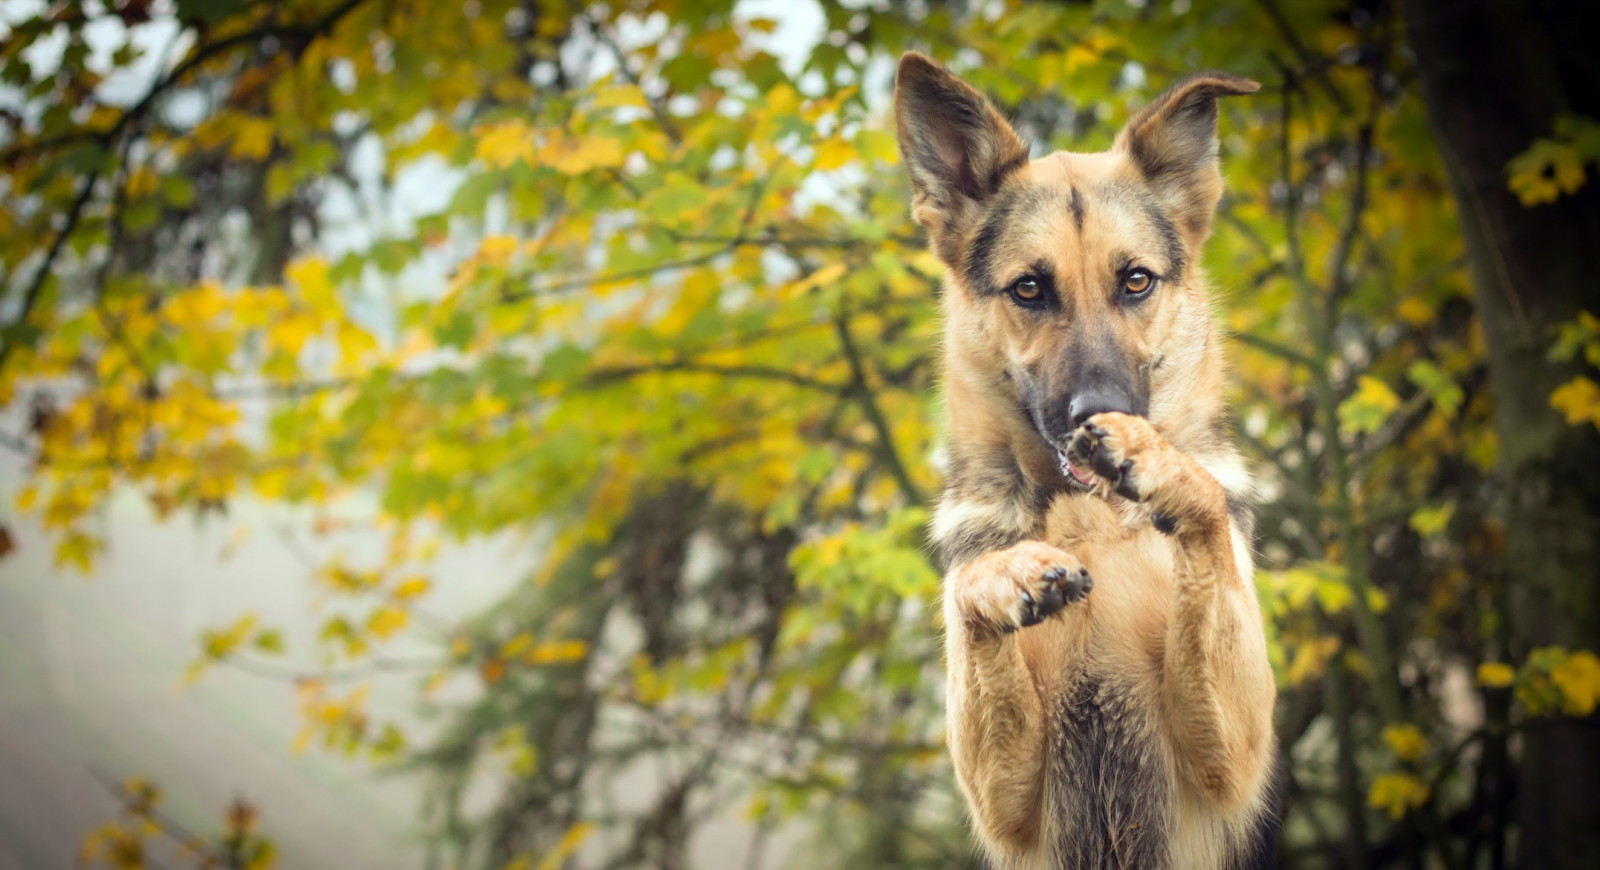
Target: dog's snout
x=1089, y=403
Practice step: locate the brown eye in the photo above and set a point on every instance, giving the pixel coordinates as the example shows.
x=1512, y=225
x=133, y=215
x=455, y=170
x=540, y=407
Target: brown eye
x=1027, y=289
x=1138, y=281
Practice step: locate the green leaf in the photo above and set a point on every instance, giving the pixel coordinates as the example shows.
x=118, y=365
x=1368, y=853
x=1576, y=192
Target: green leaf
x=1365, y=411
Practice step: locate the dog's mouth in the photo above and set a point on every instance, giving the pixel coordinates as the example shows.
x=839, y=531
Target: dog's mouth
x=1081, y=478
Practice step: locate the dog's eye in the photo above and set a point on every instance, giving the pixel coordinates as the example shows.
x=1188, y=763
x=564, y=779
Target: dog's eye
x=1138, y=282
x=1027, y=289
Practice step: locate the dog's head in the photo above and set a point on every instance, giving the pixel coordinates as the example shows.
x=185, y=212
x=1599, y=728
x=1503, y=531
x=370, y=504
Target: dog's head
x=1073, y=278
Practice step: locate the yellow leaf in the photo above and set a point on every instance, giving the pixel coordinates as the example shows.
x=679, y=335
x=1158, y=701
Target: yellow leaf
x=517, y=645
x=77, y=550
x=1397, y=793
x=503, y=144
x=576, y=155
x=1579, y=400
x=252, y=138
x=558, y=652
x=620, y=96
x=833, y=154
x=1548, y=169
x=1369, y=407
x=1432, y=521
x=879, y=146
x=1414, y=311
x=1496, y=675
x=142, y=182
x=412, y=587
x=288, y=334
x=1405, y=741
x=386, y=621
x=1579, y=680
x=1310, y=658
x=497, y=250
x=309, y=275
x=820, y=278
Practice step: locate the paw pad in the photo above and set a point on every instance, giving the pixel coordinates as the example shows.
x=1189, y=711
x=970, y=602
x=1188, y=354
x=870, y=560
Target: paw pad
x=1057, y=588
x=1090, y=448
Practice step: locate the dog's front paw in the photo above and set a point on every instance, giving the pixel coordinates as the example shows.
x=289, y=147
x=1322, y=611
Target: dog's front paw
x=1124, y=451
x=1020, y=586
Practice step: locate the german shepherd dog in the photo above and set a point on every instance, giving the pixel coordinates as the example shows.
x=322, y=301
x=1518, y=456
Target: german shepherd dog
x=1129, y=726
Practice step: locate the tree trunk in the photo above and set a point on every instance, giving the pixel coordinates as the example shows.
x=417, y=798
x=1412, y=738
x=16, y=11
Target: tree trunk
x=1495, y=75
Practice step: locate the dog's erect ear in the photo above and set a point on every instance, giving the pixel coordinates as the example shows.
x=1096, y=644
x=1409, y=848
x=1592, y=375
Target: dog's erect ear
x=1173, y=142
x=956, y=146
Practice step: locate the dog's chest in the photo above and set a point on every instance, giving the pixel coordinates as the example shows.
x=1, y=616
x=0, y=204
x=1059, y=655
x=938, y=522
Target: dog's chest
x=1114, y=779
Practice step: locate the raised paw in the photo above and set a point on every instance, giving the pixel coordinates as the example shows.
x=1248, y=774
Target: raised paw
x=1020, y=586
x=1055, y=589
x=1124, y=452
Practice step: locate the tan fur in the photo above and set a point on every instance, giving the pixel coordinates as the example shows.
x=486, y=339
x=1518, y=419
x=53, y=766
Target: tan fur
x=1164, y=655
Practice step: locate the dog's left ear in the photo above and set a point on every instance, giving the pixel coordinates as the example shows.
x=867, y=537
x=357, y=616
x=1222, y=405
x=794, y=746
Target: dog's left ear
x=1173, y=142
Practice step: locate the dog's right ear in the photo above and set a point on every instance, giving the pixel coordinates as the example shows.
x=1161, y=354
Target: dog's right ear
x=956, y=147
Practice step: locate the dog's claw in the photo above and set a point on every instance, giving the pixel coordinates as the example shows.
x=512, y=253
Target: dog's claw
x=1061, y=588
x=1089, y=449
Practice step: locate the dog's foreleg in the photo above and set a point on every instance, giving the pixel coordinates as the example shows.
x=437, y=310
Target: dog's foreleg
x=997, y=724
x=1218, y=684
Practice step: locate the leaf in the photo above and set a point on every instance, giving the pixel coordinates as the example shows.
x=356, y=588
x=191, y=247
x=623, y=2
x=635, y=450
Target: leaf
x=387, y=621
x=502, y=144
x=1544, y=172
x=1405, y=741
x=1431, y=522
x=576, y=155
x=412, y=587
x=1496, y=675
x=1578, y=400
x=77, y=551
x=310, y=279
x=1578, y=678
x=1440, y=387
x=1397, y=794
x=617, y=96
x=252, y=138
x=558, y=652
x=1366, y=410
x=833, y=154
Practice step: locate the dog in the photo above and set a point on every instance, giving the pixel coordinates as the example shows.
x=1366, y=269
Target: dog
x=1109, y=693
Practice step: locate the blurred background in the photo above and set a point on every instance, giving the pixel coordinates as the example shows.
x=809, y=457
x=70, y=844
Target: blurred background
x=501, y=434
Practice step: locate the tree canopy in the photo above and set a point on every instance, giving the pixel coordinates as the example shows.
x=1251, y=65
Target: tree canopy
x=638, y=280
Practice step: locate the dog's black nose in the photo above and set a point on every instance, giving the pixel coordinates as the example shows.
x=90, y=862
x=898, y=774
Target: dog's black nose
x=1087, y=404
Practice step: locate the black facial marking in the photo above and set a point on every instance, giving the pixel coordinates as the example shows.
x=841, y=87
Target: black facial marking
x=1166, y=524
x=978, y=265
x=980, y=257
x=1169, y=239
x=1076, y=204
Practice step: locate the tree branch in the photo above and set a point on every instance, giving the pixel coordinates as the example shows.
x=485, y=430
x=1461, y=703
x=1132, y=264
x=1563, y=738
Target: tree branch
x=861, y=391
x=135, y=112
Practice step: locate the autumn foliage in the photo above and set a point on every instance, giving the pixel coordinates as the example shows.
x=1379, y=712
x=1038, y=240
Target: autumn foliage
x=637, y=280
